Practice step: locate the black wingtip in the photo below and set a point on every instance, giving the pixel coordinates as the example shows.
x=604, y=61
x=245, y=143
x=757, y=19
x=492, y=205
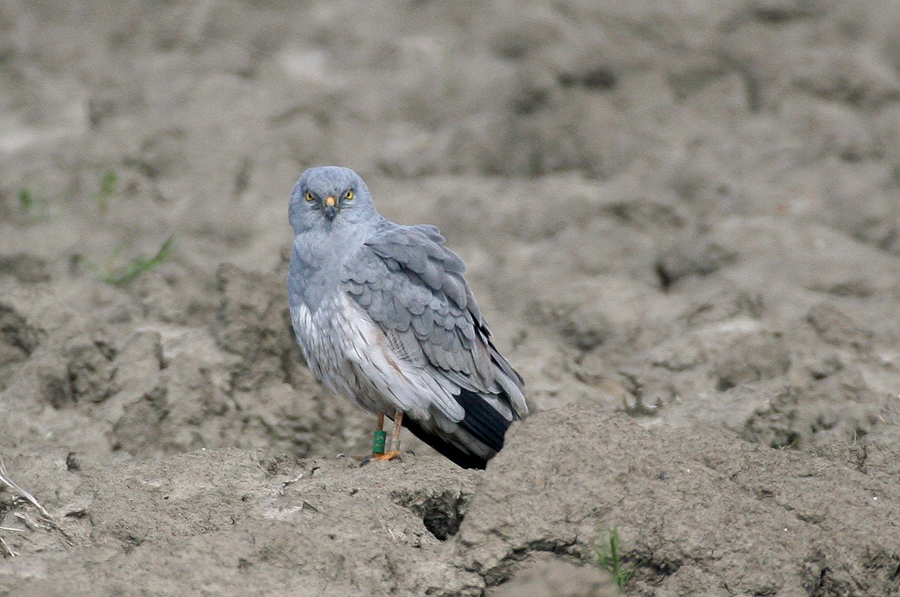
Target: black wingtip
x=482, y=421
x=460, y=458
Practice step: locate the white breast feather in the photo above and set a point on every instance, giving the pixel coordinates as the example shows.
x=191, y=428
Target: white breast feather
x=349, y=353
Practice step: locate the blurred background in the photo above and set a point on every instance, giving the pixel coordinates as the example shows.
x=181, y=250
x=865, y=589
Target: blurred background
x=209, y=110
x=687, y=211
x=653, y=199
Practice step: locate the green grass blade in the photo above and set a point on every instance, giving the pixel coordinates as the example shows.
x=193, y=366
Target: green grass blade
x=124, y=275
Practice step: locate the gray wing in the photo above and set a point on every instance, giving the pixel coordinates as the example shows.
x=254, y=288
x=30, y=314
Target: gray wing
x=412, y=286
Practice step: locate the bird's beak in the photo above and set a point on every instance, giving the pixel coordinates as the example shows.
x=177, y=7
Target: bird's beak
x=330, y=207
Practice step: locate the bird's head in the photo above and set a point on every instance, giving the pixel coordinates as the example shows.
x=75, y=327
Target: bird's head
x=329, y=197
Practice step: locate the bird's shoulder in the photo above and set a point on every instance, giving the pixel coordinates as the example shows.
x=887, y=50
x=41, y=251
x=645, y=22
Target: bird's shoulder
x=388, y=237
x=418, y=254
x=406, y=276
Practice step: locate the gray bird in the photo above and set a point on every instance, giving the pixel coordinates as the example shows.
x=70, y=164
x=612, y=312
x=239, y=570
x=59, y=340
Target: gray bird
x=384, y=316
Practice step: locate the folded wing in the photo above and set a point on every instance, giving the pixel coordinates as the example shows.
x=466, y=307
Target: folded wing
x=412, y=286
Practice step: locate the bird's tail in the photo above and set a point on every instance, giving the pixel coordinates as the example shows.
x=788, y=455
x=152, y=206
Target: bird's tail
x=484, y=428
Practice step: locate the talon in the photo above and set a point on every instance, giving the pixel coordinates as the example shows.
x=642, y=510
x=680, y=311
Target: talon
x=390, y=455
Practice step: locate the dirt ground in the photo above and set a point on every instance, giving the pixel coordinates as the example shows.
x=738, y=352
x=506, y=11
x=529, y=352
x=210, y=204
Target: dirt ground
x=681, y=219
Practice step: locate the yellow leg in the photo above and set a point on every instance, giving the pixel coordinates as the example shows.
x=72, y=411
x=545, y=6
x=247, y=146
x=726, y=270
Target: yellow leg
x=395, y=435
x=394, y=452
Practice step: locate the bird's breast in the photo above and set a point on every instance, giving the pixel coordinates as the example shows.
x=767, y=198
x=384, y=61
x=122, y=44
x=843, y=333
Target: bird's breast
x=348, y=353
x=330, y=340
x=312, y=278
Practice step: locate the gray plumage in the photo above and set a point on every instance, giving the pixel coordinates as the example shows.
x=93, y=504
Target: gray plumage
x=384, y=316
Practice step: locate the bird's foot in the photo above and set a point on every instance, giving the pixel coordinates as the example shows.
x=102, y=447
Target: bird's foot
x=390, y=455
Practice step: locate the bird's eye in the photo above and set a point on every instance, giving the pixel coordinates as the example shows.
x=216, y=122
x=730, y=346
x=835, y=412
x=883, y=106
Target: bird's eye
x=348, y=195
x=309, y=196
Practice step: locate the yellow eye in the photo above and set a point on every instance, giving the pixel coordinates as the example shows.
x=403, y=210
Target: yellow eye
x=349, y=195
x=309, y=196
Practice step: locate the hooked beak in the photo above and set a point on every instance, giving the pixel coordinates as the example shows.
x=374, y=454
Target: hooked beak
x=330, y=207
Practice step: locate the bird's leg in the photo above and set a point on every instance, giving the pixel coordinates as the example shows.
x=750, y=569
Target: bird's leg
x=395, y=435
x=379, y=436
x=394, y=452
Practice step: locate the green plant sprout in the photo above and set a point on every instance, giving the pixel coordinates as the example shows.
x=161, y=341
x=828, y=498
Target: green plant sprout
x=609, y=559
x=34, y=205
x=122, y=276
x=108, y=183
x=26, y=200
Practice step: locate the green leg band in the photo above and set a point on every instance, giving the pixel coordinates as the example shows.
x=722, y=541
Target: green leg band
x=378, y=443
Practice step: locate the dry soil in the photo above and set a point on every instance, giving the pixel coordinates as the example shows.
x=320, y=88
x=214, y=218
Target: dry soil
x=681, y=219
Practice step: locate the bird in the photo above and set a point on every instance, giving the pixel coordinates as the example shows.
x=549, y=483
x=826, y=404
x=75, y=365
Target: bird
x=383, y=315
